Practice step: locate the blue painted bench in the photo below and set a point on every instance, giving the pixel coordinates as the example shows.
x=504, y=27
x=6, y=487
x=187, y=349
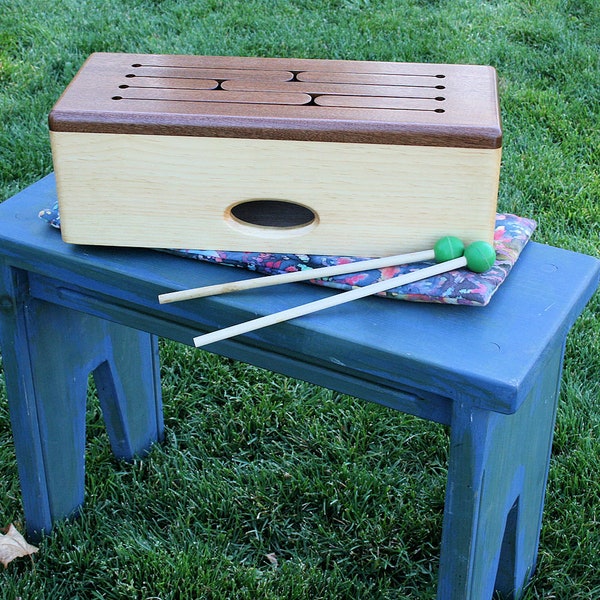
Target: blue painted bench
x=492, y=374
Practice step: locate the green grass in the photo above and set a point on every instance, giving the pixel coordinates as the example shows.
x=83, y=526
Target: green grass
x=348, y=496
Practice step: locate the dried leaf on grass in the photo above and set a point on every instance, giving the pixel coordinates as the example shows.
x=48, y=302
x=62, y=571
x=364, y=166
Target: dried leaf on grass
x=13, y=545
x=272, y=558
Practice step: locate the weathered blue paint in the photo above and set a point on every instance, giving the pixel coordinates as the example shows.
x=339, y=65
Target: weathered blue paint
x=492, y=374
x=48, y=353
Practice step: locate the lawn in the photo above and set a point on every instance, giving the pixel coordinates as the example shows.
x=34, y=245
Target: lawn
x=271, y=488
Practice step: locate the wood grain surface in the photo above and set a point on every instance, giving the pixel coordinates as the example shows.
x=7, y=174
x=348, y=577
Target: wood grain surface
x=283, y=99
x=181, y=192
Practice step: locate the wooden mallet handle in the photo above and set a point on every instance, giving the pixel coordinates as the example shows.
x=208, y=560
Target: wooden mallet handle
x=311, y=307
x=295, y=276
x=478, y=257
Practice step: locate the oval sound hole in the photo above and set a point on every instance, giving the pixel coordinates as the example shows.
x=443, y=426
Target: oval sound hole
x=278, y=214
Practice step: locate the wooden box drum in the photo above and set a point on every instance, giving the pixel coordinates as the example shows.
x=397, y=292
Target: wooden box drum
x=276, y=155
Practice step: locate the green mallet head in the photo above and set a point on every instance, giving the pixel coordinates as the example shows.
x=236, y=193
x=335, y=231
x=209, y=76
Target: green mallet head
x=480, y=256
x=447, y=248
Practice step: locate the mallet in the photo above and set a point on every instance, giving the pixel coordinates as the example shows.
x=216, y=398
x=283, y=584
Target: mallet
x=319, y=273
x=478, y=257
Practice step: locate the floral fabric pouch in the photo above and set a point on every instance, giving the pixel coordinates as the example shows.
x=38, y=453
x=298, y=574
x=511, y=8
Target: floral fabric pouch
x=455, y=287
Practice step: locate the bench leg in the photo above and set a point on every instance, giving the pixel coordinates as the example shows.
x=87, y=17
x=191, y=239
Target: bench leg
x=48, y=354
x=497, y=477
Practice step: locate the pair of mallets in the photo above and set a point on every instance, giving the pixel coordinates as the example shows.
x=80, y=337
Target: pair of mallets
x=449, y=254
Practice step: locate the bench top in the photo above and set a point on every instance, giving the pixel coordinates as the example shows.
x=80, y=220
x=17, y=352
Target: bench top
x=486, y=356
